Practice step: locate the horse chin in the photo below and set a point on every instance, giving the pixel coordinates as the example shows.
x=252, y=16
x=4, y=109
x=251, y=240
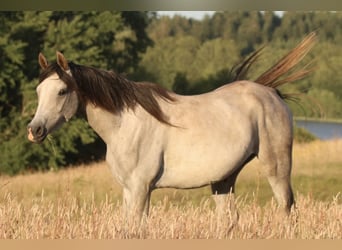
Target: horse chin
x=39, y=141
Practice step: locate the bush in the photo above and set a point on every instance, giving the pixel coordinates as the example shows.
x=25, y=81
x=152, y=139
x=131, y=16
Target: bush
x=301, y=135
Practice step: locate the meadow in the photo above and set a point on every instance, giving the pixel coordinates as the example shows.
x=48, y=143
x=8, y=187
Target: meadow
x=84, y=202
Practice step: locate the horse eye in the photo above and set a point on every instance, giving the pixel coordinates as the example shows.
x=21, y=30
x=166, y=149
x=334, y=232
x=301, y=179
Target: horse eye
x=62, y=92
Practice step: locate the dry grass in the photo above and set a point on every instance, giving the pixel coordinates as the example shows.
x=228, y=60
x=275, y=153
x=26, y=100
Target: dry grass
x=85, y=202
x=69, y=217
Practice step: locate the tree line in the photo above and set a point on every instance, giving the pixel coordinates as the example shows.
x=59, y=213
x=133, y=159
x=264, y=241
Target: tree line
x=192, y=56
x=184, y=55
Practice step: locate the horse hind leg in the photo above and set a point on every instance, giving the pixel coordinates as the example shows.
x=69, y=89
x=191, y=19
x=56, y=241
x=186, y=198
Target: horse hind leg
x=282, y=191
x=223, y=195
x=278, y=172
x=226, y=213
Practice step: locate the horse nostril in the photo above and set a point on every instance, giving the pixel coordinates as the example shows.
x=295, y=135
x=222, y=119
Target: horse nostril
x=39, y=131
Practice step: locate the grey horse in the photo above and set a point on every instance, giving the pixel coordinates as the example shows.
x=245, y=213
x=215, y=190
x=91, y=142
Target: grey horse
x=156, y=138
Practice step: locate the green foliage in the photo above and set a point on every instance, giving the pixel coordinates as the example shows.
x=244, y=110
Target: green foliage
x=169, y=57
x=112, y=40
x=301, y=135
x=223, y=40
x=186, y=55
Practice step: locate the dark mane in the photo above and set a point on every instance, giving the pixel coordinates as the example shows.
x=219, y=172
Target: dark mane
x=111, y=91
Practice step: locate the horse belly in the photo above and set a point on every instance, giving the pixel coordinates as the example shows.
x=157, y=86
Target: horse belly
x=209, y=146
x=195, y=168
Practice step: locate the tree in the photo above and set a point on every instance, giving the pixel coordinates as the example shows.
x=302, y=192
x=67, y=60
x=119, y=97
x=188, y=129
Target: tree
x=270, y=23
x=12, y=78
x=110, y=40
x=170, y=57
x=213, y=56
x=246, y=32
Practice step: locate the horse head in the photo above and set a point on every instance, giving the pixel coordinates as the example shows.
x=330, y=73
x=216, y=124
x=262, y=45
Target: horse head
x=57, y=99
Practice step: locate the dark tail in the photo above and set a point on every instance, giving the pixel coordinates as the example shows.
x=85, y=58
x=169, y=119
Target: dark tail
x=283, y=71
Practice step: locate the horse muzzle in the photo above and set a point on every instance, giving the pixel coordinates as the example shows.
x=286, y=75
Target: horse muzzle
x=36, y=133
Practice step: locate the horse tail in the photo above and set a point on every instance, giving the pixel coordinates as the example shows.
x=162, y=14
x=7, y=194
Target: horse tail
x=282, y=71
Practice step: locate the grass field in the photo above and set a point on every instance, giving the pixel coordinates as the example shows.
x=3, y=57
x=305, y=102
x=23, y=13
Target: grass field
x=85, y=202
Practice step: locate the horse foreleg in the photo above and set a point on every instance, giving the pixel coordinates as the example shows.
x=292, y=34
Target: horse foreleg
x=136, y=204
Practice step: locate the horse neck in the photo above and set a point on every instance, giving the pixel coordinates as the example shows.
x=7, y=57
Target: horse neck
x=103, y=122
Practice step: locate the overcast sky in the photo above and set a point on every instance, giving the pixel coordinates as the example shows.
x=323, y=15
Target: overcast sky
x=195, y=14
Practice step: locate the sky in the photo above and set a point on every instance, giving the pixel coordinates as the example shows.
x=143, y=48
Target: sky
x=195, y=14
x=189, y=14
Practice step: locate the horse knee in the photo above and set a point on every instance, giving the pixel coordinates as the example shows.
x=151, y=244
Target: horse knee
x=136, y=203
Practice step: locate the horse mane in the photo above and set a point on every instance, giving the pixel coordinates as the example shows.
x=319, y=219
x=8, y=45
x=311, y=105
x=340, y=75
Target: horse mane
x=110, y=91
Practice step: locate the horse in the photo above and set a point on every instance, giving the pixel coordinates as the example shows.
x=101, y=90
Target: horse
x=156, y=138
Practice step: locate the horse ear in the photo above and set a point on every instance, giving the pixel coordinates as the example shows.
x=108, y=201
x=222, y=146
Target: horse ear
x=62, y=62
x=42, y=61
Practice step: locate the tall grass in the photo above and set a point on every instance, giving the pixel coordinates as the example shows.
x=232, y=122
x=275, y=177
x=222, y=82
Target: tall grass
x=85, y=202
x=69, y=217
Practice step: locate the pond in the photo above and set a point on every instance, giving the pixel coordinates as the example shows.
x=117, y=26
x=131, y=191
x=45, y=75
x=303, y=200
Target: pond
x=322, y=129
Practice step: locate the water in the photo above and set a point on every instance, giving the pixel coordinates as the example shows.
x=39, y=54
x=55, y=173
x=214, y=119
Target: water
x=323, y=130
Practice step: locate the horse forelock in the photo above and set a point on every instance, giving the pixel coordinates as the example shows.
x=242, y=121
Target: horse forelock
x=54, y=68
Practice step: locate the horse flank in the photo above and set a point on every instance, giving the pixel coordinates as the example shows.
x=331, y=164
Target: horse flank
x=114, y=93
